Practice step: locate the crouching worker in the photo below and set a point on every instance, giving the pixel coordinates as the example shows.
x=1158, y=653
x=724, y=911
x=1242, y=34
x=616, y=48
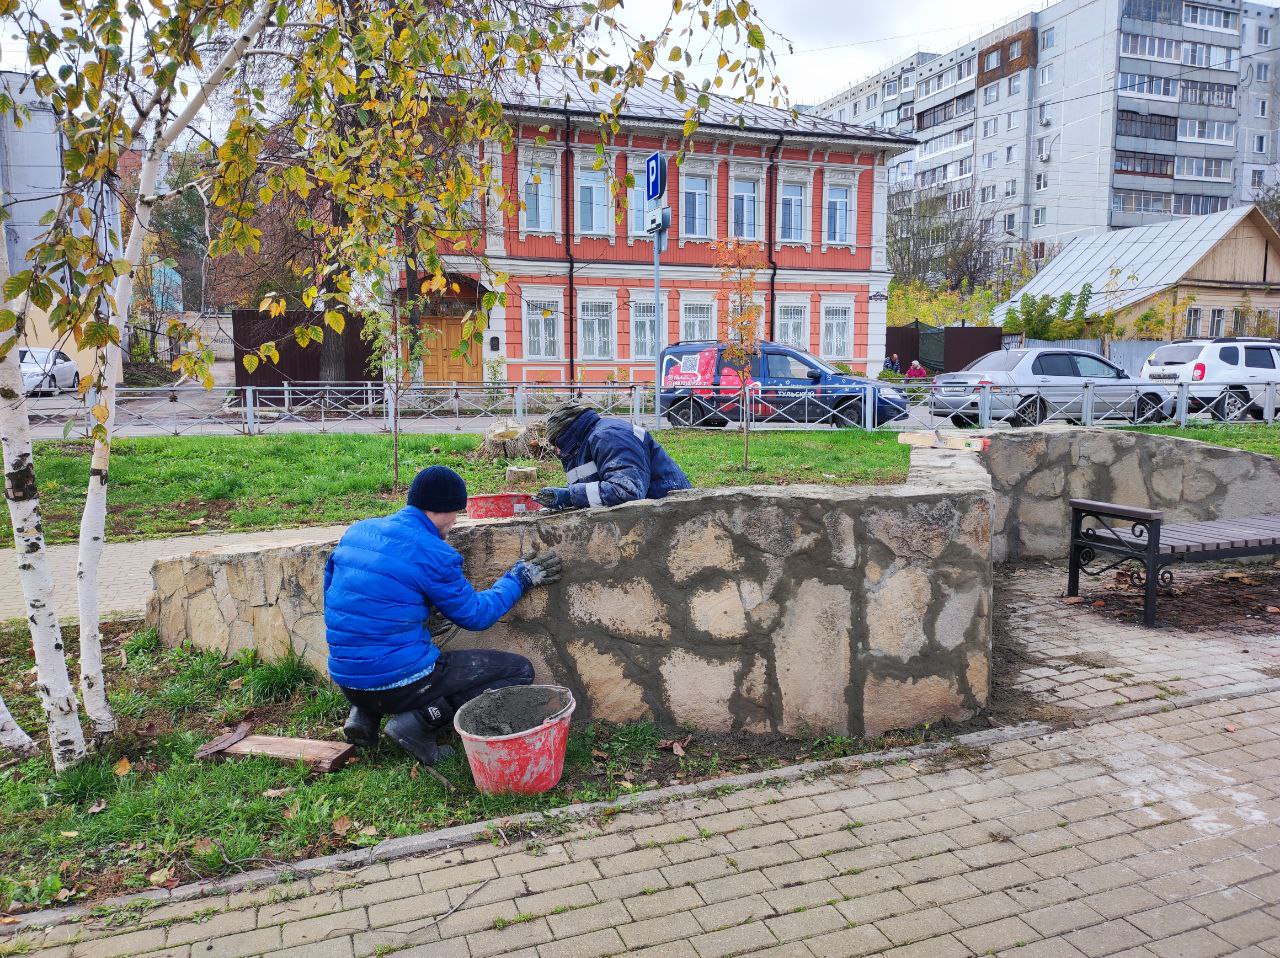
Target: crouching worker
x=386, y=577
x=606, y=461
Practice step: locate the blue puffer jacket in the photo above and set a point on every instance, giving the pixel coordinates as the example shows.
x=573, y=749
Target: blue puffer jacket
x=610, y=461
x=380, y=585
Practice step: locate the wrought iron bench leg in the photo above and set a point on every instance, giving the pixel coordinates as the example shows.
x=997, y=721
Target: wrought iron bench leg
x=1073, y=562
x=1150, y=586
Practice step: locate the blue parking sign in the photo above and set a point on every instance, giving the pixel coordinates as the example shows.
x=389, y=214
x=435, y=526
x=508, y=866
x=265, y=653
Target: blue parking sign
x=655, y=176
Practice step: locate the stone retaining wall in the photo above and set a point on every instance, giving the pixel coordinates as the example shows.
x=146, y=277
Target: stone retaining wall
x=1036, y=472
x=797, y=609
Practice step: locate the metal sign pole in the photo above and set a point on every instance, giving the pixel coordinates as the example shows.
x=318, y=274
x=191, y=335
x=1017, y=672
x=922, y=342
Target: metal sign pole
x=657, y=221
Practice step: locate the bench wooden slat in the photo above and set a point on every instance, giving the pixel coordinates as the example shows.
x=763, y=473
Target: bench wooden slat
x=1115, y=509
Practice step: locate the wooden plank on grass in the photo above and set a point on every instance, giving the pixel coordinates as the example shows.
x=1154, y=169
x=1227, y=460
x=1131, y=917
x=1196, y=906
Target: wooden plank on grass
x=322, y=756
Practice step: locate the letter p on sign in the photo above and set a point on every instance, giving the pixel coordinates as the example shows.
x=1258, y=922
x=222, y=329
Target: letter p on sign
x=655, y=169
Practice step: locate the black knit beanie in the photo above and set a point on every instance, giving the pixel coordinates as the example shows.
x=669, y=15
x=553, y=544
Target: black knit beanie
x=438, y=489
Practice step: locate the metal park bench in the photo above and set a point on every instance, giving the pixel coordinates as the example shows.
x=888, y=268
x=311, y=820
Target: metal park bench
x=1127, y=534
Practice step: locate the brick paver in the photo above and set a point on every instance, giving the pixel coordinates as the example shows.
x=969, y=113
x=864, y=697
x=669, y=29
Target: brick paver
x=1082, y=660
x=125, y=590
x=1150, y=836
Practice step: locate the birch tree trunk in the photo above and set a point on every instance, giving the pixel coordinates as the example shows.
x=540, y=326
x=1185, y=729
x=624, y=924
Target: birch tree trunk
x=12, y=737
x=53, y=683
x=94, y=518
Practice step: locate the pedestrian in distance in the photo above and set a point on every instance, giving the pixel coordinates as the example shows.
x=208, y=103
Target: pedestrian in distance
x=392, y=585
x=607, y=461
x=893, y=363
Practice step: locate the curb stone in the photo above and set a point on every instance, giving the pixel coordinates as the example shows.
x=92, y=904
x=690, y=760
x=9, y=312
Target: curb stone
x=459, y=835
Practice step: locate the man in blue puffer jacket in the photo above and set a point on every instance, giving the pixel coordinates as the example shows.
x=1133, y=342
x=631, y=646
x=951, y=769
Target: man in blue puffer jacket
x=606, y=461
x=382, y=583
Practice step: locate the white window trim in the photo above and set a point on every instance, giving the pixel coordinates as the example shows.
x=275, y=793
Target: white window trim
x=590, y=295
x=585, y=163
x=841, y=301
x=546, y=294
x=701, y=298
x=635, y=166
x=802, y=300
x=841, y=177
x=754, y=173
x=538, y=156
x=643, y=296
x=710, y=169
x=804, y=177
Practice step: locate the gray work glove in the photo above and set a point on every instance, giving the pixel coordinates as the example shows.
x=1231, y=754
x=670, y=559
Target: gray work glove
x=542, y=569
x=554, y=498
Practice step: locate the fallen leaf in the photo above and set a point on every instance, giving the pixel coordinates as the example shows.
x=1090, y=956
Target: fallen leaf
x=1099, y=604
x=68, y=834
x=63, y=895
x=677, y=748
x=1073, y=600
x=341, y=825
x=413, y=772
x=123, y=766
x=235, y=684
x=97, y=806
x=277, y=792
x=597, y=753
x=1230, y=728
x=1273, y=609
x=291, y=811
x=160, y=876
x=197, y=522
x=8, y=920
x=369, y=830
x=202, y=846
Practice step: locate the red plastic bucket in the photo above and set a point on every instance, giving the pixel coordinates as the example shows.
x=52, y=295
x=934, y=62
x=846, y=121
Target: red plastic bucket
x=524, y=761
x=502, y=505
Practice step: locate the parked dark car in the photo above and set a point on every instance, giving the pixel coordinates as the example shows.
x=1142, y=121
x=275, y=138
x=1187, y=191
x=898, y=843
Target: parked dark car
x=699, y=388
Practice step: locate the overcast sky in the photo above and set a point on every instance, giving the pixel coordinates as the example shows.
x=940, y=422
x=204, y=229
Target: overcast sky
x=838, y=42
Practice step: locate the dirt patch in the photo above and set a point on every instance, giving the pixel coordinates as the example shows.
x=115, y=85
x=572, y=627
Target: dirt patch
x=1242, y=599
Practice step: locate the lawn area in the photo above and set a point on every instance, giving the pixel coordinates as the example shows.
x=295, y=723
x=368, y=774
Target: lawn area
x=161, y=485
x=1253, y=438
x=144, y=812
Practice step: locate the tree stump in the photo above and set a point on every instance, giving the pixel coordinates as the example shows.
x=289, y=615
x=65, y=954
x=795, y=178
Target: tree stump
x=509, y=440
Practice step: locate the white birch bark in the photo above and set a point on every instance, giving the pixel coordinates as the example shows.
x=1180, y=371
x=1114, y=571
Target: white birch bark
x=93, y=520
x=12, y=737
x=53, y=683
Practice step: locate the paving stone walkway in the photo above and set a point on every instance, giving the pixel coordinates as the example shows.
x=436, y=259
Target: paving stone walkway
x=1150, y=837
x=125, y=590
x=1082, y=660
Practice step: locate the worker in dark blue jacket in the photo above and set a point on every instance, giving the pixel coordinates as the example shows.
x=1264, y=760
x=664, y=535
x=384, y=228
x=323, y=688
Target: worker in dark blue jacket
x=606, y=461
x=382, y=583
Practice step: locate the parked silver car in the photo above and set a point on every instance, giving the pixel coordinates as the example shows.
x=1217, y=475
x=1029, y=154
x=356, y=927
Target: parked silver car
x=47, y=370
x=1029, y=386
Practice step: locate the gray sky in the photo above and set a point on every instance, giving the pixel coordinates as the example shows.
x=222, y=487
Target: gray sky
x=838, y=42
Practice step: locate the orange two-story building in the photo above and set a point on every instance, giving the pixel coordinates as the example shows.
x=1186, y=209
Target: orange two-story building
x=579, y=298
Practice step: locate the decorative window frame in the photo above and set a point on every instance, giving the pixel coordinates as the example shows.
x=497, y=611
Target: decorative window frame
x=804, y=301
x=635, y=166
x=841, y=177
x=585, y=162
x=528, y=156
x=596, y=294
x=710, y=169
x=802, y=175
x=753, y=172
x=841, y=300
x=699, y=297
x=644, y=295
x=548, y=294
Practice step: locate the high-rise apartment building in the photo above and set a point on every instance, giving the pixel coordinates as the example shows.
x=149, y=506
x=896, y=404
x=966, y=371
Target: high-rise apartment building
x=1086, y=115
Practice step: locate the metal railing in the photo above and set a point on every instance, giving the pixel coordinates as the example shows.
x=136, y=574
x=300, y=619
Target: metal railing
x=469, y=407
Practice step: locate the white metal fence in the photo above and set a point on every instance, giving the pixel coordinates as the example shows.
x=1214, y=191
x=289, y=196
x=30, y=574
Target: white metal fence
x=457, y=407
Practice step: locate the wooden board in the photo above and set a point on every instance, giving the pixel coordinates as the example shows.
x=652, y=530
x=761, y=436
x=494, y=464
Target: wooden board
x=936, y=440
x=322, y=756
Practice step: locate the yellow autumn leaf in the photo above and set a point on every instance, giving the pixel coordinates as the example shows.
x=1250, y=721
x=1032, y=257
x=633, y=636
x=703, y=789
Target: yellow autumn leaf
x=122, y=767
x=100, y=413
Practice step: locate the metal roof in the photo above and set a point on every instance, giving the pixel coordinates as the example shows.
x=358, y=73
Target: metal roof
x=649, y=102
x=1149, y=259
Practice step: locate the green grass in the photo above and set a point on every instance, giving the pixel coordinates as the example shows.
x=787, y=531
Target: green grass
x=159, y=485
x=92, y=832
x=1252, y=438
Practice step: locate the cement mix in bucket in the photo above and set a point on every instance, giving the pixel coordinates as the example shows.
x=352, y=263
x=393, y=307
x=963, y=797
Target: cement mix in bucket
x=511, y=710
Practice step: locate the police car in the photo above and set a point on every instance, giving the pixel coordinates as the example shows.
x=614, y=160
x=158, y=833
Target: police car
x=700, y=388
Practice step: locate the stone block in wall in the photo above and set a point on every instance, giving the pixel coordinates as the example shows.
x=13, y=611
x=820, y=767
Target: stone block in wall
x=734, y=609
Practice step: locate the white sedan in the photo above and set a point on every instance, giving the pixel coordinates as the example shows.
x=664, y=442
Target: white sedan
x=47, y=370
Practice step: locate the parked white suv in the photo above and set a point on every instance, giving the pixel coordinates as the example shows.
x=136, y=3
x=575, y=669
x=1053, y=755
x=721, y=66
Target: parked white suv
x=1228, y=375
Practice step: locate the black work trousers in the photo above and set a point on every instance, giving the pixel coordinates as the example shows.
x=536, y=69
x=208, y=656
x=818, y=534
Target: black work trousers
x=458, y=677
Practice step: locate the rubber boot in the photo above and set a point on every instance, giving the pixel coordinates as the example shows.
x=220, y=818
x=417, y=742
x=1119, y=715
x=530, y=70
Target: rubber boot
x=416, y=732
x=361, y=727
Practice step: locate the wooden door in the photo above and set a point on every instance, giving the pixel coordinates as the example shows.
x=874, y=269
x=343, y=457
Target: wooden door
x=440, y=362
